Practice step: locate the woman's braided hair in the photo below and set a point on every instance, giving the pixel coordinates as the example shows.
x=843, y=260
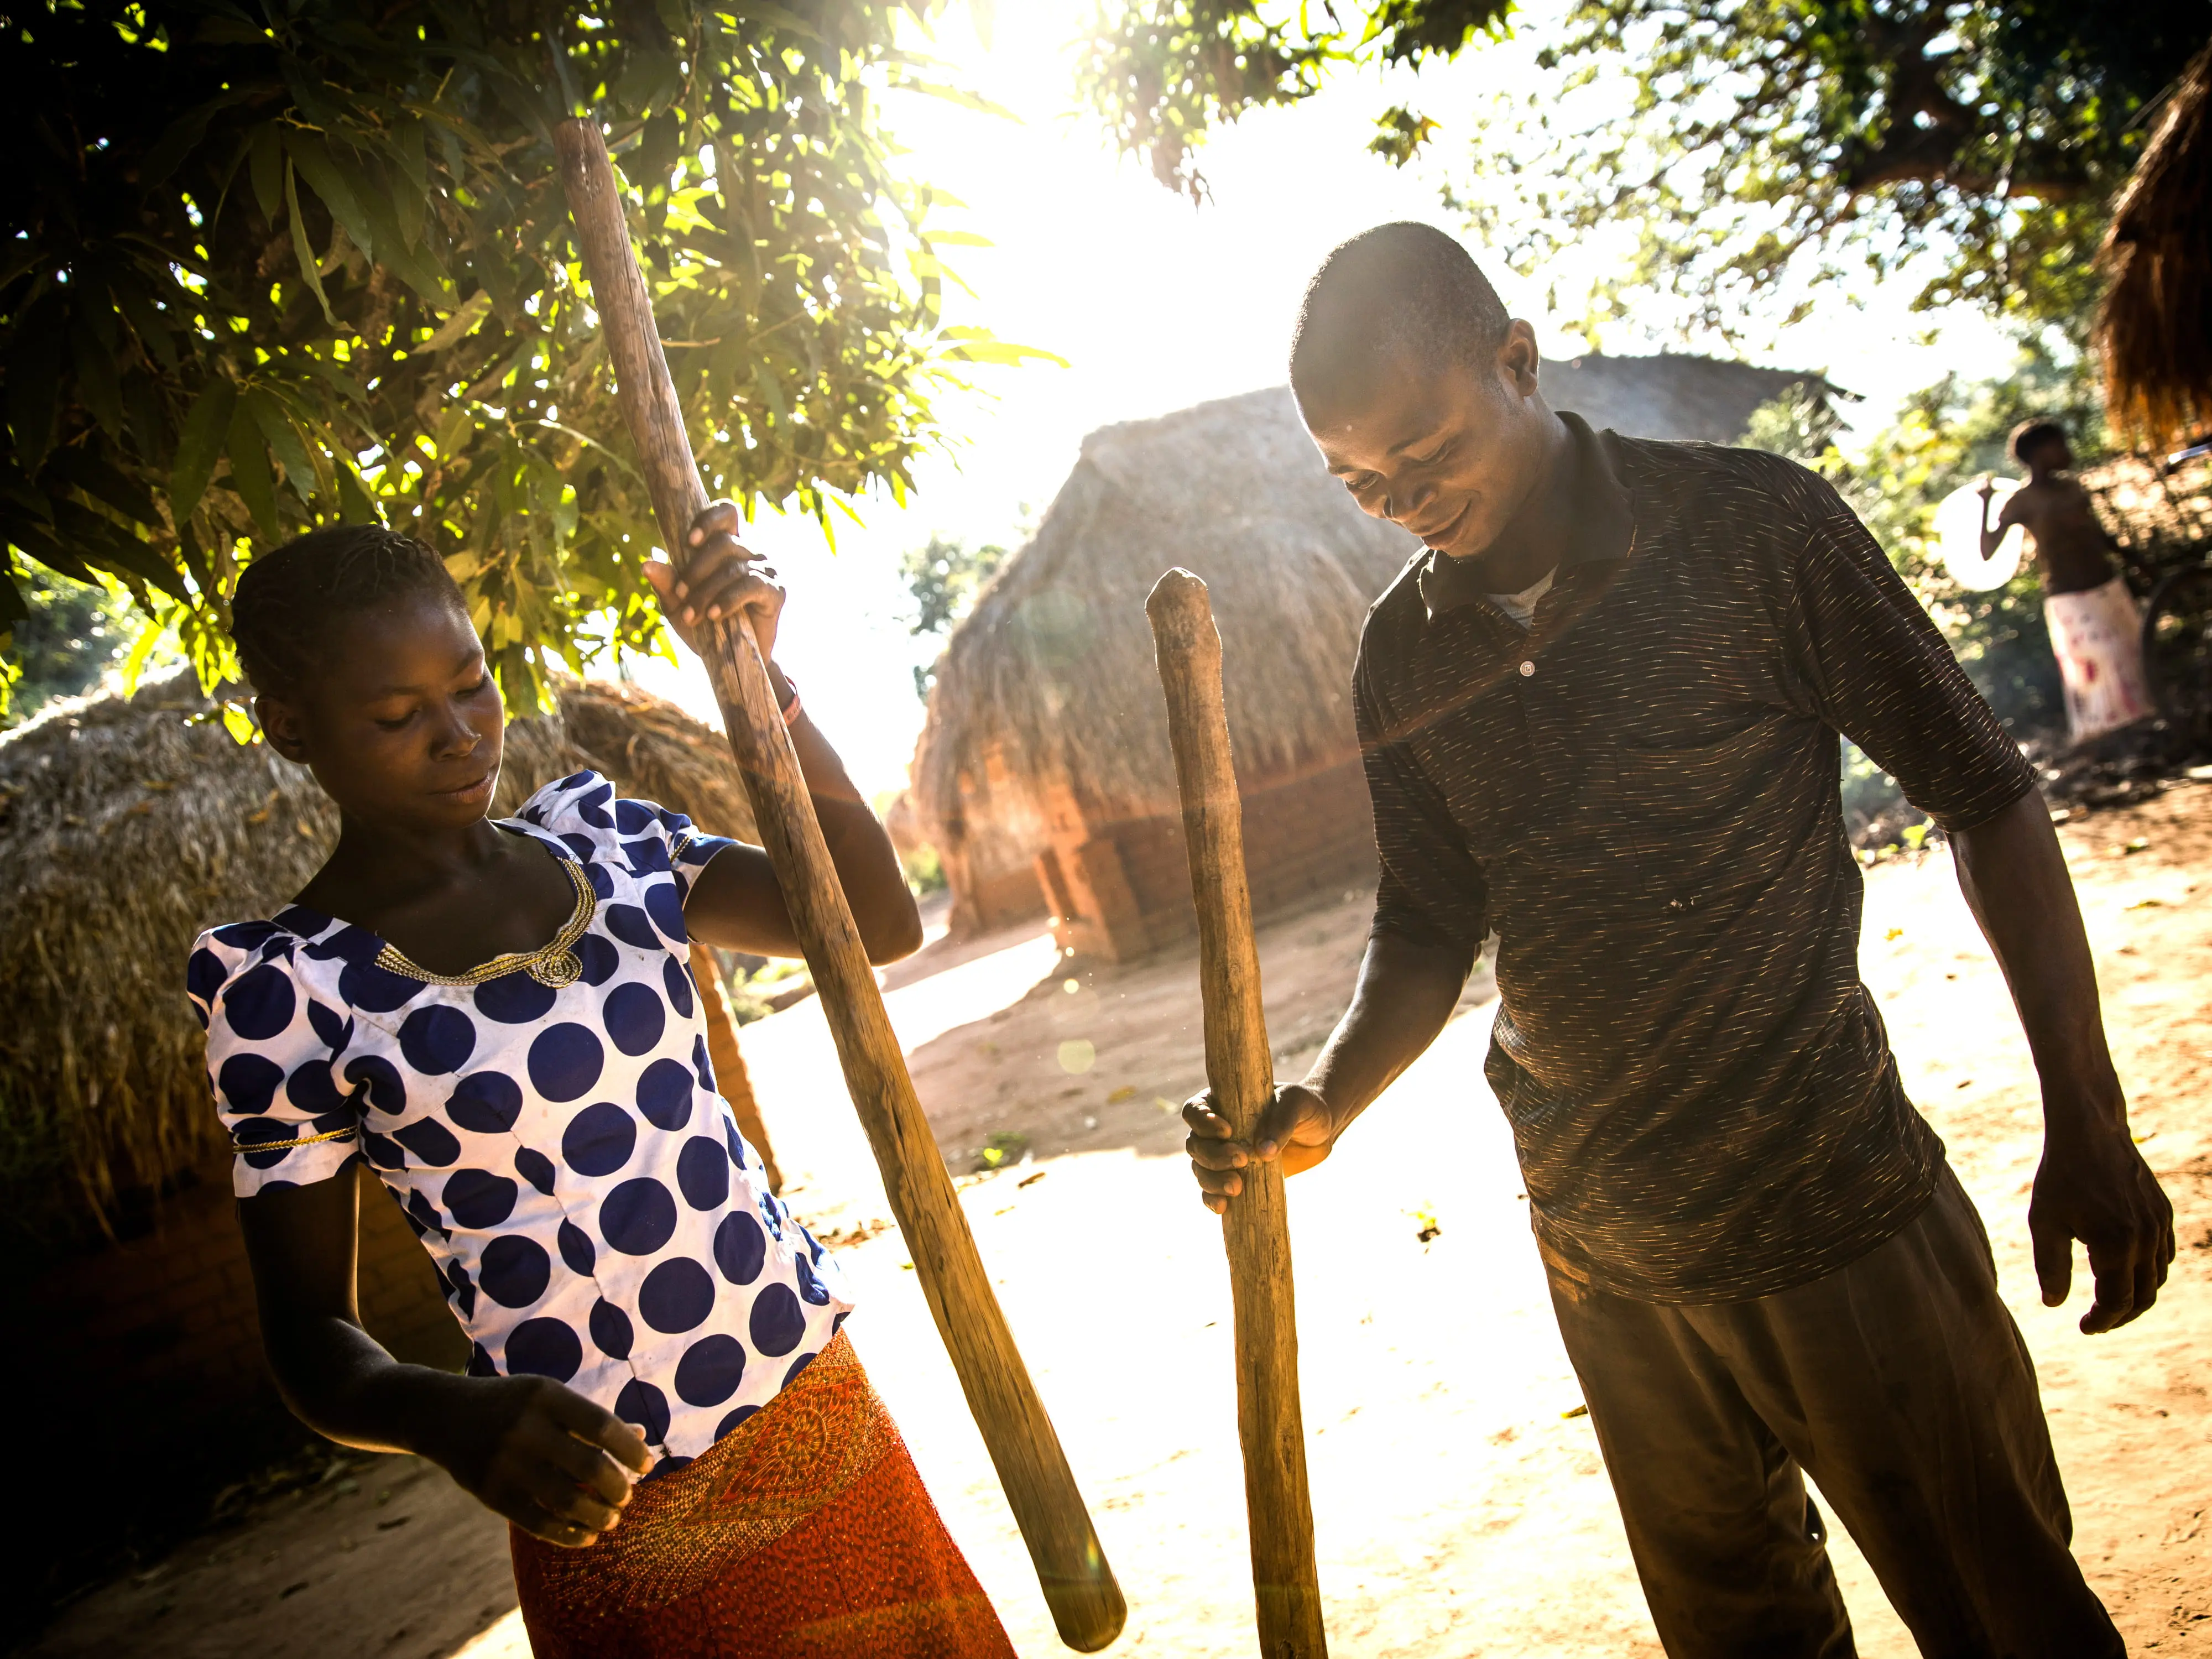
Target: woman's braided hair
x=288, y=600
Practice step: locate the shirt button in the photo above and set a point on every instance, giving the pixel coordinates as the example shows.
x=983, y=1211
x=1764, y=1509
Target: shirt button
x=1527, y=669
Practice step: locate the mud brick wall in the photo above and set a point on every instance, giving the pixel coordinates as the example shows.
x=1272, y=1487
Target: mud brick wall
x=159, y=1332
x=1305, y=839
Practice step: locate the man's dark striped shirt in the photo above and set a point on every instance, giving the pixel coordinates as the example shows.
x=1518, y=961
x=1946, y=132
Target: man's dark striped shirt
x=1640, y=795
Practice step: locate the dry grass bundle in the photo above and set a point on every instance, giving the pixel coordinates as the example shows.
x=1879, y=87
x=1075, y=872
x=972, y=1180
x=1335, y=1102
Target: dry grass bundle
x=2154, y=326
x=128, y=824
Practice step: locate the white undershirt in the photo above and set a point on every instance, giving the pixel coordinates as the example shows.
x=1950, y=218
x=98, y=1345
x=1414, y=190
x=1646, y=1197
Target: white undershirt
x=1521, y=607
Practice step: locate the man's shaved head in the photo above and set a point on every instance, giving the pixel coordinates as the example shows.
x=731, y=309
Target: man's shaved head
x=1400, y=293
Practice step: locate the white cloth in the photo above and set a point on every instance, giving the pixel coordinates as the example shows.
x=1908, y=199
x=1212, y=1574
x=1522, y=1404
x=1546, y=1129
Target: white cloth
x=560, y=1150
x=1520, y=608
x=2097, y=637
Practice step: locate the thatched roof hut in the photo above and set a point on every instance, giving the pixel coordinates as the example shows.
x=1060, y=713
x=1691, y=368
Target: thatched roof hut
x=1045, y=748
x=2154, y=325
x=127, y=825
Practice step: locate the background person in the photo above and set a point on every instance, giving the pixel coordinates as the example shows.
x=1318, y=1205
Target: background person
x=2096, y=628
x=1761, y=1263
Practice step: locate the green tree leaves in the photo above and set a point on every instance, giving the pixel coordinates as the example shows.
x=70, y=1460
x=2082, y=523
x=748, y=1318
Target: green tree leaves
x=277, y=268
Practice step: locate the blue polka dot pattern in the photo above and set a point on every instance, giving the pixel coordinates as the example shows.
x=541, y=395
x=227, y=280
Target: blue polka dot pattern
x=576, y=1249
x=638, y=1216
x=641, y=1403
x=710, y=1370
x=634, y=1016
x=611, y=1329
x=591, y=1210
x=249, y=1082
x=485, y=1104
x=664, y=1094
x=778, y=1322
x=437, y=1039
x=378, y=1081
x=675, y=975
x=666, y=906
x=515, y=1272
x=478, y=1200
x=600, y=958
x=515, y=999
x=565, y=1061
x=703, y=1173
x=599, y=1139
x=740, y=1248
x=544, y=1347
x=429, y=1140
x=629, y=923
x=259, y=1003
x=676, y=1296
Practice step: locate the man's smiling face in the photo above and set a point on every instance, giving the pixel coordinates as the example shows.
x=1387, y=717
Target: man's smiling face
x=1451, y=454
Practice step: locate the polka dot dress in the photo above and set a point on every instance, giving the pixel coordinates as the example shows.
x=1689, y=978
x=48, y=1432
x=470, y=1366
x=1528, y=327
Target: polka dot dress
x=547, y=1123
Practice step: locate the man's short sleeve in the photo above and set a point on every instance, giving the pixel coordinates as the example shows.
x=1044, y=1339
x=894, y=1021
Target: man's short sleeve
x=1868, y=660
x=1431, y=892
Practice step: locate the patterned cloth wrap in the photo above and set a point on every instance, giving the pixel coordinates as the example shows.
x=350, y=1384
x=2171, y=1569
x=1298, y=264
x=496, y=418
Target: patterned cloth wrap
x=2097, y=637
x=803, y=1534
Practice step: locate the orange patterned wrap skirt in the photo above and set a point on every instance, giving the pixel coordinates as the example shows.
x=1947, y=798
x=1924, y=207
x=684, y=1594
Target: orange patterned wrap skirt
x=804, y=1531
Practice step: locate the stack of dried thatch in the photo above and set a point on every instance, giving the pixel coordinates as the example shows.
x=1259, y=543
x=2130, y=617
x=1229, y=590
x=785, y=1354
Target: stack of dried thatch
x=2154, y=329
x=127, y=825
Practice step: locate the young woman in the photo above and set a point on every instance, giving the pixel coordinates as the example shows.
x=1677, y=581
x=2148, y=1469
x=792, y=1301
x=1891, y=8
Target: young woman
x=498, y=1018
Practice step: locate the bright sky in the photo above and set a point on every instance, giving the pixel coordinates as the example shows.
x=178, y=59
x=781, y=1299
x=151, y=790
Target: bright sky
x=1158, y=305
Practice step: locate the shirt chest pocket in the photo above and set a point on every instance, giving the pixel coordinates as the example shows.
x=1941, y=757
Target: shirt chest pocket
x=1696, y=818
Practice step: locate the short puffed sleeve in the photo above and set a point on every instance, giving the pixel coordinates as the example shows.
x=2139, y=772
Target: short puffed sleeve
x=273, y=1050
x=585, y=813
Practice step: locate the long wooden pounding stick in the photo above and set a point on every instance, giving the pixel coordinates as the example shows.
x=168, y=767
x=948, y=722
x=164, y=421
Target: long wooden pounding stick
x=1285, y=1587
x=1078, y=1586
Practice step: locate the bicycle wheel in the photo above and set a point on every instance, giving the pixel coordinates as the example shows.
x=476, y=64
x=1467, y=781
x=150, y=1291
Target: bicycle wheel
x=2177, y=641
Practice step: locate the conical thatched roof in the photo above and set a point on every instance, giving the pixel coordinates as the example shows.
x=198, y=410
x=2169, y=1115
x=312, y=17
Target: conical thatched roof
x=2154, y=327
x=127, y=825
x=1671, y=395
x=1050, y=678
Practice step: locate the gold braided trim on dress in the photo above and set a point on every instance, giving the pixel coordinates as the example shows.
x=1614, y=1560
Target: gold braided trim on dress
x=286, y=1145
x=556, y=964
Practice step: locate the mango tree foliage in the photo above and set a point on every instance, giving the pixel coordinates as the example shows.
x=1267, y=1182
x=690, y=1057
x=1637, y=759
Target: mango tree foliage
x=1979, y=144
x=1977, y=141
x=1162, y=73
x=275, y=263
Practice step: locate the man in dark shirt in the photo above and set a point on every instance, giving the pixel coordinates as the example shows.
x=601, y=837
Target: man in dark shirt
x=1600, y=713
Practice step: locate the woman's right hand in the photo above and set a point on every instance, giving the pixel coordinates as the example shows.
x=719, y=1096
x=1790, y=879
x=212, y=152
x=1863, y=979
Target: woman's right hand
x=540, y=1455
x=722, y=580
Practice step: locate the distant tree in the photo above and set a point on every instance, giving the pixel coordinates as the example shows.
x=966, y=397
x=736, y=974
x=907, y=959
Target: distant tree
x=276, y=263
x=1761, y=136
x=69, y=635
x=944, y=576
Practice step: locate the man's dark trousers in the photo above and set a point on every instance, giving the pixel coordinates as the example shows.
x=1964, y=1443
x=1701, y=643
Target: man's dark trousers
x=1899, y=1382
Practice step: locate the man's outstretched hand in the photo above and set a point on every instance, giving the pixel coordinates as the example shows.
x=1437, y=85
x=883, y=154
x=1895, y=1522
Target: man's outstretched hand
x=1297, y=1128
x=2094, y=1185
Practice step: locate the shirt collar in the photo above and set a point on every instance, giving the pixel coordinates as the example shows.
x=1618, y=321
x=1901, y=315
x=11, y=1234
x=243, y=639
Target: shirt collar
x=1604, y=529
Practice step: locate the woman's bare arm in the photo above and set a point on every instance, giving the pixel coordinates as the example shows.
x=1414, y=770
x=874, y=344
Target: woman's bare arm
x=526, y=1447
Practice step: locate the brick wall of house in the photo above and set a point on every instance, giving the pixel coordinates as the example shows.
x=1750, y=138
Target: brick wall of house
x=1304, y=838
x=159, y=1332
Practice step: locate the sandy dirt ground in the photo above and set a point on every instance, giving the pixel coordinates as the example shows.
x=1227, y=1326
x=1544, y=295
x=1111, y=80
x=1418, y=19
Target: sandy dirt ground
x=1460, y=1511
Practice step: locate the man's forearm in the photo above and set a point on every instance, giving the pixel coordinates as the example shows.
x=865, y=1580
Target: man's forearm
x=1405, y=994
x=2014, y=877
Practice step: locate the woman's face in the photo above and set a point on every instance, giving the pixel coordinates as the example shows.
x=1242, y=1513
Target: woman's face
x=402, y=722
